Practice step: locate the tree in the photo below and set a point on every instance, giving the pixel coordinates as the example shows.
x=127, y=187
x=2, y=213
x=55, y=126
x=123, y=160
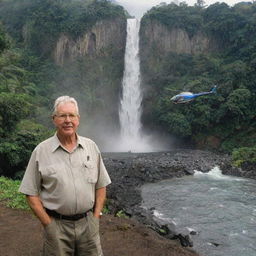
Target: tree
x=238, y=103
x=16, y=149
x=13, y=108
x=4, y=43
x=177, y=124
x=200, y=3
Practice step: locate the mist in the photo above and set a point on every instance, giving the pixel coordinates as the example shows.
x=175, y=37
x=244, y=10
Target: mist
x=108, y=138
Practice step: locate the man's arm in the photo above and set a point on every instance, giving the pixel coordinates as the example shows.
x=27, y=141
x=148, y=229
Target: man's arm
x=38, y=209
x=100, y=195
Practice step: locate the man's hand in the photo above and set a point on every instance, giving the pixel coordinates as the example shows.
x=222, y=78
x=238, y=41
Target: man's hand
x=38, y=209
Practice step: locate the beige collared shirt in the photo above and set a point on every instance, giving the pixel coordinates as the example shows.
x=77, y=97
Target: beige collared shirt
x=65, y=181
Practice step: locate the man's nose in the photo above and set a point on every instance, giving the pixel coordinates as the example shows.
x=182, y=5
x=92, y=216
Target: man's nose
x=67, y=118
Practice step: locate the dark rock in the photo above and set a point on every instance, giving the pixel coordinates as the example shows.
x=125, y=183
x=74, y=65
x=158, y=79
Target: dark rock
x=185, y=241
x=215, y=244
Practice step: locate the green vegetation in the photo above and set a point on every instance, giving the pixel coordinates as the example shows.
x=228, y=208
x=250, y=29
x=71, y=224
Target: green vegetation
x=121, y=214
x=244, y=155
x=19, y=131
x=229, y=62
x=177, y=16
x=37, y=24
x=4, y=43
x=9, y=194
x=162, y=231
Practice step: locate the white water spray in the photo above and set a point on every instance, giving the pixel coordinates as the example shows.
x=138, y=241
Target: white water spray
x=215, y=174
x=130, y=104
x=132, y=139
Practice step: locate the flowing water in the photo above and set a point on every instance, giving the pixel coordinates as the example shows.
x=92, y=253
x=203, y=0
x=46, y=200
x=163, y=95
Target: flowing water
x=132, y=138
x=219, y=209
x=130, y=110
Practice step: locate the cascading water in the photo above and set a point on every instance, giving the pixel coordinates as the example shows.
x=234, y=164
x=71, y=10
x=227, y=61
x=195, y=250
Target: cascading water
x=132, y=139
x=130, y=104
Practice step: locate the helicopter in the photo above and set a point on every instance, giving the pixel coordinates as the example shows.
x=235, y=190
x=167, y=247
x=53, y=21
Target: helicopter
x=188, y=96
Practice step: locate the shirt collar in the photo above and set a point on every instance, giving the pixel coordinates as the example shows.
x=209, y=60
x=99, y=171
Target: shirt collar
x=56, y=143
x=80, y=142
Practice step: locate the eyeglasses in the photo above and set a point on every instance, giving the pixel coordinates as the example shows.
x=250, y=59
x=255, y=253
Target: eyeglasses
x=65, y=116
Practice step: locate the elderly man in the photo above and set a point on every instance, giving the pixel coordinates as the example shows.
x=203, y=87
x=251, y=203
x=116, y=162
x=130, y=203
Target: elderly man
x=65, y=184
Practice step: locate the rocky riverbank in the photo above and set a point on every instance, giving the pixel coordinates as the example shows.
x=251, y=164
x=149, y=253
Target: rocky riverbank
x=129, y=171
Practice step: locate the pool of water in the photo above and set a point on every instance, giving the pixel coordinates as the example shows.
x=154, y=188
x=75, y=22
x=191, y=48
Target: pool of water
x=221, y=210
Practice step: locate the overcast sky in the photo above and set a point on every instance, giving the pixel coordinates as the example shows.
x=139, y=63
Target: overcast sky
x=138, y=7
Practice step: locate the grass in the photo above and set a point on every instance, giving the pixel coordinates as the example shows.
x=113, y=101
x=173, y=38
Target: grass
x=9, y=194
x=122, y=214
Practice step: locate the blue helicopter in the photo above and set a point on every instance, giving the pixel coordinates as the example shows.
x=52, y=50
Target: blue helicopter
x=188, y=96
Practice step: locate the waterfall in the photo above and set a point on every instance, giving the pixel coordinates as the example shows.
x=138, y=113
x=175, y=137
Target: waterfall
x=130, y=110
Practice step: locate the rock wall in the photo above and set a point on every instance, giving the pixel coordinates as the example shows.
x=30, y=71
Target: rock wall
x=104, y=34
x=155, y=34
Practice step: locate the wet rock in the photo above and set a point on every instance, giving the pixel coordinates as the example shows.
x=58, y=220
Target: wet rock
x=185, y=241
x=215, y=244
x=193, y=233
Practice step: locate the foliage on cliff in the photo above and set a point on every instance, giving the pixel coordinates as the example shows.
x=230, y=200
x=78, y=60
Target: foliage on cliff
x=177, y=16
x=30, y=80
x=226, y=120
x=37, y=24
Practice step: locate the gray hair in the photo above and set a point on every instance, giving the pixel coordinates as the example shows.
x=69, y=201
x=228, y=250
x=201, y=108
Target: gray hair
x=64, y=99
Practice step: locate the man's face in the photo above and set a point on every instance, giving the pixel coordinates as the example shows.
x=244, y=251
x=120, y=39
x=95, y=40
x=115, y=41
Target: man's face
x=66, y=120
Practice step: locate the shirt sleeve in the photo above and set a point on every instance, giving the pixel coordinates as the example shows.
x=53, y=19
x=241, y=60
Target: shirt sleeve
x=30, y=184
x=103, y=178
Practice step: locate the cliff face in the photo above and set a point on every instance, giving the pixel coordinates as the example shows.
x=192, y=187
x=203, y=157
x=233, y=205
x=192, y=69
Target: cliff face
x=159, y=36
x=104, y=34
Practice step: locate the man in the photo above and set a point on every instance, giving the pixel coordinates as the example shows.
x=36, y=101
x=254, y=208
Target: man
x=65, y=185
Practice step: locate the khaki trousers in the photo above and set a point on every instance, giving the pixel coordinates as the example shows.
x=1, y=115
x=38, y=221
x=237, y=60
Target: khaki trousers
x=72, y=238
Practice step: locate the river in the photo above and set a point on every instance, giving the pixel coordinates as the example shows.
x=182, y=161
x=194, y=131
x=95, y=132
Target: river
x=218, y=211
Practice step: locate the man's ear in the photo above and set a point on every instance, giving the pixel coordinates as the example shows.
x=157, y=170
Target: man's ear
x=53, y=120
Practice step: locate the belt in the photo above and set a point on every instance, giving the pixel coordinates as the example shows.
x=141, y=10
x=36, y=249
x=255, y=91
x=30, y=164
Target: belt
x=56, y=215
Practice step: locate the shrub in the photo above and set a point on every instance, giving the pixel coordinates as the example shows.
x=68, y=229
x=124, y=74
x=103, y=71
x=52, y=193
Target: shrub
x=9, y=194
x=244, y=154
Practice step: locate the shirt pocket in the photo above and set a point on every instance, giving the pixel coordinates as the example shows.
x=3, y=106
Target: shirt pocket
x=51, y=178
x=91, y=172
x=50, y=170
